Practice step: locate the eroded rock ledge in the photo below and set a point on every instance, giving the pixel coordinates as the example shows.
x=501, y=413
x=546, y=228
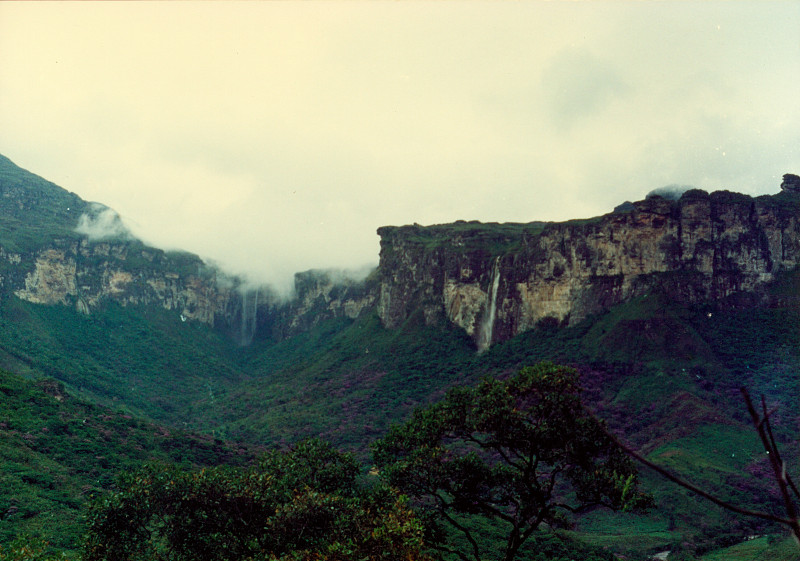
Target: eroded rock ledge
x=702, y=246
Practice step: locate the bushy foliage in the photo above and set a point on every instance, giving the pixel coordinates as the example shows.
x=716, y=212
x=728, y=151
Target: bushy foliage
x=304, y=503
x=26, y=548
x=521, y=450
x=56, y=450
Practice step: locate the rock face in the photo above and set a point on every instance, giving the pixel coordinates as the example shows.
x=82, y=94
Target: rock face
x=319, y=295
x=498, y=281
x=492, y=280
x=56, y=248
x=83, y=274
x=791, y=183
x=322, y=295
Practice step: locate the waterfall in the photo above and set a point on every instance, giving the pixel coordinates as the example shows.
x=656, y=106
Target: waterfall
x=247, y=329
x=487, y=323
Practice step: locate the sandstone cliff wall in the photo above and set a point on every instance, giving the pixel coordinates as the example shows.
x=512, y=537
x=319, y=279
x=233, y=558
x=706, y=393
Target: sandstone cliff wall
x=319, y=295
x=492, y=280
x=83, y=274
x=58, y=249
x=496, y=283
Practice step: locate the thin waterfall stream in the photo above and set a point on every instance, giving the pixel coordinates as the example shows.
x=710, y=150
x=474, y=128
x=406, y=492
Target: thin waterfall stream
x=487, y=323
x=247, y=328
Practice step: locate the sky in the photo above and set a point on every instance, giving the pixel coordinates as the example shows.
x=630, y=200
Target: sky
x=276, y=137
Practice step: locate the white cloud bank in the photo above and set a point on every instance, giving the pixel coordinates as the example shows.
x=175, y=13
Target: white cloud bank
x=274, y=137
x=102, y=223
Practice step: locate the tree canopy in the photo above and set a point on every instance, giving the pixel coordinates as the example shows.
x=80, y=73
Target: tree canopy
x=523, y=451
x=304, y=503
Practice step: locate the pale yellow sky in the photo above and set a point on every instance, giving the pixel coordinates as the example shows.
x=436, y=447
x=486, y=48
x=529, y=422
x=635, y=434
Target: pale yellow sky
x=274, y=137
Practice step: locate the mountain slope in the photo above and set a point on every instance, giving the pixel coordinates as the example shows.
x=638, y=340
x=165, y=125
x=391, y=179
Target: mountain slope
x=159, y=336
x=34, y=210
x=57, y=451
x=57, y=249
x=132, y=357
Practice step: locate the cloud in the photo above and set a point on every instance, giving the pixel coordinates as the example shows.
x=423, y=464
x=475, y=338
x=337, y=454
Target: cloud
x=276, y=137
x=671, y=192
x=578, y=85
x=102, y=223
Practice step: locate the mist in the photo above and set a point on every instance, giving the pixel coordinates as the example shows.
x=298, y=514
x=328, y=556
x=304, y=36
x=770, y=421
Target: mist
x=670, y=192
x=102, y=223
x=276, y=137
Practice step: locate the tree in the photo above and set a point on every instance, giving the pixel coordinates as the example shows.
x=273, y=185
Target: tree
x=304, y=503
x=523, y=451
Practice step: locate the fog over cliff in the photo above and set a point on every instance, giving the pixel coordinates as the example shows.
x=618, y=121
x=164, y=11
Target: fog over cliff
x=102, y=223
x=275, y=137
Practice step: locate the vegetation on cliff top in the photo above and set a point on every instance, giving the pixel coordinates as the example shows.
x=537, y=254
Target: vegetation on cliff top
x=492, y=237
x=34, y=210
x=500, y=238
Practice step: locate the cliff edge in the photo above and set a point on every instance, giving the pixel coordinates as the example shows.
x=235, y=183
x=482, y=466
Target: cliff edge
x=492, y=280
x=498, y=280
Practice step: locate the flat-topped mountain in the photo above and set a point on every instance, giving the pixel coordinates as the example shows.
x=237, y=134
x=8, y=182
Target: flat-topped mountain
x=498, y=280
x=494, y=281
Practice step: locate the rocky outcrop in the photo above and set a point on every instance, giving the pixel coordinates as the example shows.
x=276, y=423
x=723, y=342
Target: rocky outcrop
x=53, y=279
x=319, y=295
x=496, y=281
x=58, y=249
x=492, y=280
x=84, y=274
x=791, y=183
x=327, y=294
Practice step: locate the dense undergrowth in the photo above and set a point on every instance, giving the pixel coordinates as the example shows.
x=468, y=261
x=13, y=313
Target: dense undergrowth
x=57, y=451
x=665, y=377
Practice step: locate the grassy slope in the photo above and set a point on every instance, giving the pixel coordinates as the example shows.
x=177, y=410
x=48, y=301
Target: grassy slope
x=758, y=549
x=143, y=359
x=56, y=451
x=349, y=380
x=665, y=377
x=34, y=210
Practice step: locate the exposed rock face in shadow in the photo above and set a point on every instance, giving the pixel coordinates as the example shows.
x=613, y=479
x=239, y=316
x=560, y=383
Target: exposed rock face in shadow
x=791, y=183
x=701, y=246
x=492, y=280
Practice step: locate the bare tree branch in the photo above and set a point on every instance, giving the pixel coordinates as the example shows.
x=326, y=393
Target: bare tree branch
x=686, y=485
x=778, y=466
x=762, y=426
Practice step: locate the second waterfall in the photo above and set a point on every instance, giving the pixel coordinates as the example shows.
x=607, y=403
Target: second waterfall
x=487, y=323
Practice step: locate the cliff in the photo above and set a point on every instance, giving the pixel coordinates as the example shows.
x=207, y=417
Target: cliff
x=83, y=274
x=56, y=248
x=495, y=281
x=319, y=295
x=492, y=280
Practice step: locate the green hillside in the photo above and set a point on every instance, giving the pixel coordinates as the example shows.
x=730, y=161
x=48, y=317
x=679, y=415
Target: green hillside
x=57, y=451
x=34, y=210
x=138, y=359
x=348, y=381
x=85, y=397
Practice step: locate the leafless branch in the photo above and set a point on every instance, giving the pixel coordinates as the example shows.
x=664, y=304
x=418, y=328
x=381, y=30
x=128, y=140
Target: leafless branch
x=778, y=466
x=762, y=426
